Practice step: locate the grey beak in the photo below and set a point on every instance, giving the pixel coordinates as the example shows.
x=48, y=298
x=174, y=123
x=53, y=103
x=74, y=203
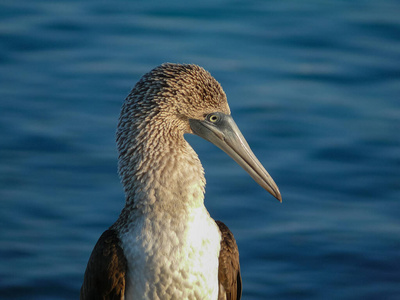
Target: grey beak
x=221, y=130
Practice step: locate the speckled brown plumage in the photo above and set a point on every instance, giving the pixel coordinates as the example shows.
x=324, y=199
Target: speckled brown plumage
x=230, y=280
x=105, y=273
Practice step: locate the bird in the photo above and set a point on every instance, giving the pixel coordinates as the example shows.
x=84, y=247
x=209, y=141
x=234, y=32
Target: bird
x=164, y=244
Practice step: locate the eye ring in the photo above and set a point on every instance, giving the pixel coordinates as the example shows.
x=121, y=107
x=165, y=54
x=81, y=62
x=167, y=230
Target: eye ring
x=213, y=118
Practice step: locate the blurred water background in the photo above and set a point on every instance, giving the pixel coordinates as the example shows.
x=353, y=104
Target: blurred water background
x=313, y=85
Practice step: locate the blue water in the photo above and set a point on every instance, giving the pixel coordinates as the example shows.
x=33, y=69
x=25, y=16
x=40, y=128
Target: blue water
x=314, y=87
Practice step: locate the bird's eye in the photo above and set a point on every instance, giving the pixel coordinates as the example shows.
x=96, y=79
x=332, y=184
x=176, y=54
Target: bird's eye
x=213, y=118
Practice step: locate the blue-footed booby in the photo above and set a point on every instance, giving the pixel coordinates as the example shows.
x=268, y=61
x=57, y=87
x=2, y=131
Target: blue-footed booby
x=165, y=245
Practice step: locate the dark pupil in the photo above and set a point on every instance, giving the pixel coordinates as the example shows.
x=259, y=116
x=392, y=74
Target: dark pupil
x=213, y=118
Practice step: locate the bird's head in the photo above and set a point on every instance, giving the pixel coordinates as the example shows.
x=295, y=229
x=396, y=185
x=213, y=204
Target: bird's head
x=179, y=99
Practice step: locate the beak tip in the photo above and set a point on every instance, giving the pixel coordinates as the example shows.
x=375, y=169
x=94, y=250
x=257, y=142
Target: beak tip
x=276, y=193
x=278, y=196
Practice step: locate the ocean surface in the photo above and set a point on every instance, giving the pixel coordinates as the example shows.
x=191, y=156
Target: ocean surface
x=313, y=85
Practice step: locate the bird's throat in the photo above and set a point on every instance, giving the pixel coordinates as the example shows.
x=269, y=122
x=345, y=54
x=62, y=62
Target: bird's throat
x=163, y=175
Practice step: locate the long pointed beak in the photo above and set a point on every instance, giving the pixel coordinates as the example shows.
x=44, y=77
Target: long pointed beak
x=222, y=131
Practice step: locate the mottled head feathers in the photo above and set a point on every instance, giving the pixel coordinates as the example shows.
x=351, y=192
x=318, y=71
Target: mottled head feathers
x=174, y=92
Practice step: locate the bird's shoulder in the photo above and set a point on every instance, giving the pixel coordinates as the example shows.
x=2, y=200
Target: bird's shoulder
x=106, y=270
x=229, y=278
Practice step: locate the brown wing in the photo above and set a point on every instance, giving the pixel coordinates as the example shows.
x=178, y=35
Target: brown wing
x=106, y=269
x=230, y=281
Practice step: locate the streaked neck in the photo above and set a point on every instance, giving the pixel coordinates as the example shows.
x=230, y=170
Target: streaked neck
x=161, y=171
